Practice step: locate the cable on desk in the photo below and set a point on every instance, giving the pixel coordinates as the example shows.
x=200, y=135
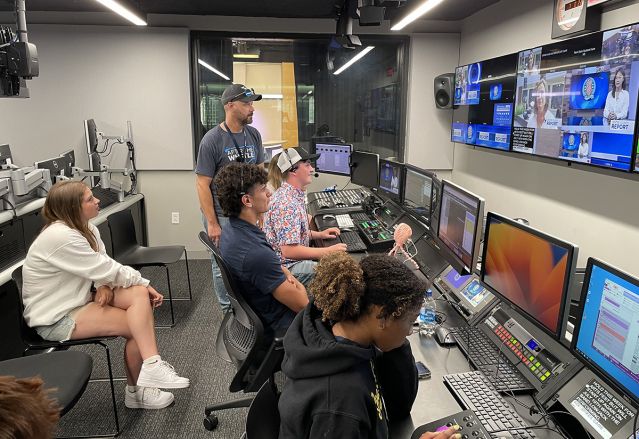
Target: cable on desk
x=15, y=214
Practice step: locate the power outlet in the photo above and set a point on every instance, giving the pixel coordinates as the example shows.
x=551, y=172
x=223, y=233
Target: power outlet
x=175, y=217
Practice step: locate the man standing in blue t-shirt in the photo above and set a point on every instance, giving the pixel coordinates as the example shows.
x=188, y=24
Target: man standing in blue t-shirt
x=231, y=141
x=273, y=293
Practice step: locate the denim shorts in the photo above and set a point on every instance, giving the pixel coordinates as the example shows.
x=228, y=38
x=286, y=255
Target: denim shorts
x=60, y=330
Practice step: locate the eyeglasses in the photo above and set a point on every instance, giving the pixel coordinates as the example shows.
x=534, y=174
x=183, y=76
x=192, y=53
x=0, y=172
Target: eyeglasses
x=248, y=93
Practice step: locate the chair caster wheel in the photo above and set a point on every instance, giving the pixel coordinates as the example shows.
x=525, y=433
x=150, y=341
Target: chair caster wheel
x=210, y=422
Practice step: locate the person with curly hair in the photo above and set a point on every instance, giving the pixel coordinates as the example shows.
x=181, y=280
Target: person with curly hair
x=270, y=289
x=349, y=367
x=26, y=410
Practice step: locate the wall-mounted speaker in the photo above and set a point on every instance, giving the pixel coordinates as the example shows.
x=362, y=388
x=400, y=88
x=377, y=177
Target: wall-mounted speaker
x=444, y=88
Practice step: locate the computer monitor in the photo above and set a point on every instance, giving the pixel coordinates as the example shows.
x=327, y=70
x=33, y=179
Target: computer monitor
x=528, y=269
x=461, y=214
x=5, y=154
x=365, y=169
x=390, y=179
x=55, y=166
x=605, y=336
x=91, y=136
x=69, y=162
x=418, y=188
x=335, y=158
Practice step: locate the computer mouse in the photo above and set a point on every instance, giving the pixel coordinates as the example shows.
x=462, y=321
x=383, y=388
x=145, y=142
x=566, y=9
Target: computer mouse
x=328, y=217
x=444, y=337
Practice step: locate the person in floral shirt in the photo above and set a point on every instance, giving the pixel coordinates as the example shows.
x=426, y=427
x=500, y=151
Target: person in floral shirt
x=286, y=223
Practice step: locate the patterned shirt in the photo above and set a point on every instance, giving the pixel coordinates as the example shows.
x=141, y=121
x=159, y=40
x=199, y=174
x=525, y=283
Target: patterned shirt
x=286, y=222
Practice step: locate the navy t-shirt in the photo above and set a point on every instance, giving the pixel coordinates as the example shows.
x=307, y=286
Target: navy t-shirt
x=257, y=270
x=218, y=150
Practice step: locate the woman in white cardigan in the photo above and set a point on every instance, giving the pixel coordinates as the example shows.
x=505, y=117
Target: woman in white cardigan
x=63, y=262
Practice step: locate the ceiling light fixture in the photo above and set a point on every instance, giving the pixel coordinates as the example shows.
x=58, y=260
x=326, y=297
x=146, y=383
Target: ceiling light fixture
x=246, y=55
x=353, y=60
x=213, y=69
x=418, y=12
x=124, y=12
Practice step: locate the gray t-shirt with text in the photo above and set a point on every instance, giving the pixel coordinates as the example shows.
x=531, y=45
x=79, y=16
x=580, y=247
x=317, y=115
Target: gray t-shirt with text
x=218, y=150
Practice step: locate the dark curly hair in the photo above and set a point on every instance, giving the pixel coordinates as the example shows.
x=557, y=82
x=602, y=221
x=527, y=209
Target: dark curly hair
x=346, y=290
x=235, y=180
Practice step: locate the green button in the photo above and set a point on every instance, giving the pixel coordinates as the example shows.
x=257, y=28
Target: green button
x=547, y=374
x=538, y=364
x=531, y=358
x=543, y=378
x=533, y=368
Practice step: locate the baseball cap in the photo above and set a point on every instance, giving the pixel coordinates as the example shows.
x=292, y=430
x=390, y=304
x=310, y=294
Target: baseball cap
x=239, y=92
x=289, y=157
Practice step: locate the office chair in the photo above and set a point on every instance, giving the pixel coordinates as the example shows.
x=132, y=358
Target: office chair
x=65, y=373
x=263, y=420
x=127, y=251
x=242, y=340
x=34, y=342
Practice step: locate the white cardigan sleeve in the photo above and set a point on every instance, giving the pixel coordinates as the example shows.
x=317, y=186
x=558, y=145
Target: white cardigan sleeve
x=76, y=256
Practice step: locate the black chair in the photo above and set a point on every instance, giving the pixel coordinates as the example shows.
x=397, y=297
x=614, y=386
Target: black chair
x=242, y=340
x=66, y=374
x=33, y=342
x=127, y=251
x=263, y=420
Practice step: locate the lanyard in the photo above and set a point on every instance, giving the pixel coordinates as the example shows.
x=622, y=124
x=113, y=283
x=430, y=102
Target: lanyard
x=240, y=157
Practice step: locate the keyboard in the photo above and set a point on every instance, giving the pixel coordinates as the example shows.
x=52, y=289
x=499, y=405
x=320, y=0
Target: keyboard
x=344, y=220
x=486, y=357
x=352, y=240
x=107, y=197
x=475, y=392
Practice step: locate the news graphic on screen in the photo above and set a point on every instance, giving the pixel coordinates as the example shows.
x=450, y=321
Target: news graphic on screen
x=334, y=159
x=418, y=185
x=390, y=178
x=487, y=122
x=467, y=84
x=606, y=336
x=528, y=269
x=585, y=87
x=460, y=218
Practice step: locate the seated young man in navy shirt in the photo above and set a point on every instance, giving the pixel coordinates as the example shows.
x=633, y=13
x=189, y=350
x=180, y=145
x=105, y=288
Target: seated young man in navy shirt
x=273, y=293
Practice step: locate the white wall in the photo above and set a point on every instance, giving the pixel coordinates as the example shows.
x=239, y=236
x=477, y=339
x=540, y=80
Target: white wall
x=428, y=142
x=111, y=74
x=597, y=212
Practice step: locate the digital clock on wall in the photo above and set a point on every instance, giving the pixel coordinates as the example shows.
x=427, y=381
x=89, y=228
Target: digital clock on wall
x=573, y=17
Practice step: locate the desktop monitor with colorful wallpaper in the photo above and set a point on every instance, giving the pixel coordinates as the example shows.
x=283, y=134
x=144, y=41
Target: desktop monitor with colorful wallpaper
x=587, y=84
x=528, y=269
x=483, y=110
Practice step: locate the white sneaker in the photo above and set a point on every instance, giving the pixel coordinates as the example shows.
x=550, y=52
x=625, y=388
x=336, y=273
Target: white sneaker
x=147, y=398
x=161, y=374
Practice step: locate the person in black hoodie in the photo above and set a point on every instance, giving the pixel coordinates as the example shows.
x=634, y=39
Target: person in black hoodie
x=348, y=365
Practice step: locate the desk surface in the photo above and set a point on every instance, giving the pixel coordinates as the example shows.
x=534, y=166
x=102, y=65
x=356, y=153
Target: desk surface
x=5, y=275
x=434, y=400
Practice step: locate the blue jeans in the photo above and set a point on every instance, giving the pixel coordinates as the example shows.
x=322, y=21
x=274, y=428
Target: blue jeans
x=304, y=271
x=218, y=283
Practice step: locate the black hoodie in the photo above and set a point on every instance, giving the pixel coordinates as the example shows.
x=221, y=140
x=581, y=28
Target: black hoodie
x=334, y=388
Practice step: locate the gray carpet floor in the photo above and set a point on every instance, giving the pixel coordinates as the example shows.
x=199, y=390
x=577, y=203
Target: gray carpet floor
x=190, y=347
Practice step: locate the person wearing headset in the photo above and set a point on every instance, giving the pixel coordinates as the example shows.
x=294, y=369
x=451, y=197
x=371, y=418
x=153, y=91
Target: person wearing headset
x=233, y=140
x=286, y=223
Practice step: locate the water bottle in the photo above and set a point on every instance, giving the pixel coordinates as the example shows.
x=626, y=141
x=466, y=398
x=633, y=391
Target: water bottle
x=427, y=320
